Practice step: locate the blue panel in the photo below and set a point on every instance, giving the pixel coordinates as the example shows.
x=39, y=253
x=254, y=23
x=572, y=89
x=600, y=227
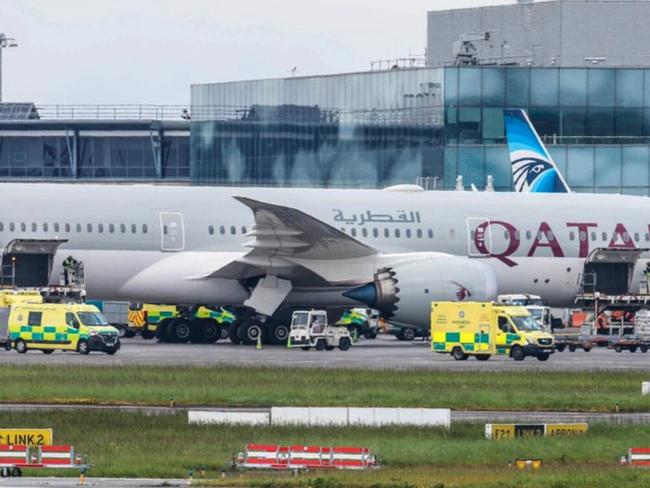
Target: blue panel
x=608, y=167
x=580, y=167
x=635, y=166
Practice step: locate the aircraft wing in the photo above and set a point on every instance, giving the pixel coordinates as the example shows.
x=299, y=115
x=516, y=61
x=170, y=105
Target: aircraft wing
x=286, y=240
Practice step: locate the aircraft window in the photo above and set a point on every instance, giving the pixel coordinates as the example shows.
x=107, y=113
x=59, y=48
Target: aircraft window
x=364, y=232
x=89, y=227
x=122, y=228
x=12, y=227
x=45, y=227
x=539, y=236
x=375, y=232
x=23, y=227
x=593, y=236
x=506, y=235
x=67, y=227
x=2, y=226
x=111, y=228
x=78, y=227
x=517, y=235
x=452, y=233
x=430, y=234
x=353, y=231
x=145, y=228
x=604, y=236
x=164, y=230
x=647, y=237
x=56, y=227
x=582, y=235
x=419, y=233
x=549, y=235
x=233, y=231
x=397, y=233
x=408, y=233
x=34, y=227
x=636, y=236
x=386, y=232
x=572, y=235
x=528, y=235
x=134, y=228
x=626, y=237
x=243, y=230
x=100, y=228
x=210, y=229
x=222, y=229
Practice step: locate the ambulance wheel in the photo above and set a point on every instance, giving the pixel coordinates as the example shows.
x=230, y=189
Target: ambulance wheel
x=47, y=351
x=223, y=333
x=233, y=333
x=408, y=334
x=82, y=347
x=321, y=344
x=560, y=347
x=618, y=348
x=643, y=349
x=305, y=348
x=344, y=344
x=279, y=334
x=180, y=330
x=7, y=346
x=517, y=353
x=16, y=472
x=543, y=357
x=21, y=347
x=483, y=357
x=572, y=348
x=458, y=354
x=128, y=333
x=250, y=331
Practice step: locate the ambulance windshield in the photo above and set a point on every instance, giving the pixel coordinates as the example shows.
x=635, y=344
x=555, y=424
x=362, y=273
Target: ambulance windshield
x=525, y=323
x=91, y=318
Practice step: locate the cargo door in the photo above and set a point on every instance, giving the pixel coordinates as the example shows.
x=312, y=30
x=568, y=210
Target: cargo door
x=479, y=237
x=172, y=231
x=28, y=262
x=610, y=270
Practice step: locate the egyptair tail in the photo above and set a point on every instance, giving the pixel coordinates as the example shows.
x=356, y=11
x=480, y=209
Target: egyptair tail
x=533, y=169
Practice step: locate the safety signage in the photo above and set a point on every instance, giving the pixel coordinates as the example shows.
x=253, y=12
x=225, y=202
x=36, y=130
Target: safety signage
x=26, y=437
x=510, y=431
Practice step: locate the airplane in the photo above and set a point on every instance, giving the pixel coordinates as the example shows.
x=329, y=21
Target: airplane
x=263, y=250
x=533, y=168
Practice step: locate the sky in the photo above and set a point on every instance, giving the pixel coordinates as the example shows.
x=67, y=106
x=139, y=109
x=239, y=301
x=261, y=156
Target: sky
x=151, y=51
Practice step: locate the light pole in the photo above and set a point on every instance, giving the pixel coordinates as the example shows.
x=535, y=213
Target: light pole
x=5, y=42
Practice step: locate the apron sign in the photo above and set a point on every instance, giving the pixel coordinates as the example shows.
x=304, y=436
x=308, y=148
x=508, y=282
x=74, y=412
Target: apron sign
x=26, y=437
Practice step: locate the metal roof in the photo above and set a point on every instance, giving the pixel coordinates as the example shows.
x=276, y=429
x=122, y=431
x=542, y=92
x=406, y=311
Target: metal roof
x=18, y=111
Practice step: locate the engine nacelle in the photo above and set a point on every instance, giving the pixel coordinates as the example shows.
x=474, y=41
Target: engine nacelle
x=404, y=291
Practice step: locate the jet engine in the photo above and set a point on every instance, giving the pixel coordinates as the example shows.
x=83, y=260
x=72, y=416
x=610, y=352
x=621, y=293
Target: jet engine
x=403, y=292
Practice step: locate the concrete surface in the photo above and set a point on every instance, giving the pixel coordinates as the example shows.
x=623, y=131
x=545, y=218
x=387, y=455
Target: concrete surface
x=384, y=352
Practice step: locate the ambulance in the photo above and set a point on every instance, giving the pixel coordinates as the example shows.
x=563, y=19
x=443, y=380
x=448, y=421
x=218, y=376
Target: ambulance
x=483, y=329
x=57, y=326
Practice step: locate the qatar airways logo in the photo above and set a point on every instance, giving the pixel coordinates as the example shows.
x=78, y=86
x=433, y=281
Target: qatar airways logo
x=544, y=237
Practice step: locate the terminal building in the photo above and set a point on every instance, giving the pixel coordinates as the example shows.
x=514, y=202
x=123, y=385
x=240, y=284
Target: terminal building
x=577, y=66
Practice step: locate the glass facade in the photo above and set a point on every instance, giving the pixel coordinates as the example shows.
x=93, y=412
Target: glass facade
x=88, y=151
x=594, y=121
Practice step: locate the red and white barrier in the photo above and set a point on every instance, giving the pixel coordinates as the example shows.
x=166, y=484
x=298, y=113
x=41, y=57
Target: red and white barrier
x=13, y=455
x=270, y=456
x=638, y=456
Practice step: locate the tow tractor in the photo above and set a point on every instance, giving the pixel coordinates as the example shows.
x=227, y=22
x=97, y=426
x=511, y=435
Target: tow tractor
x=309, y=328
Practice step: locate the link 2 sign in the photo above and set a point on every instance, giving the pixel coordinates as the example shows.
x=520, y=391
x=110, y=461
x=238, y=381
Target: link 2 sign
x=26, y=437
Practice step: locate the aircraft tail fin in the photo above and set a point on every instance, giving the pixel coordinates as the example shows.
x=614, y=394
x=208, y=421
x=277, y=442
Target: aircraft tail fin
x=533, y=169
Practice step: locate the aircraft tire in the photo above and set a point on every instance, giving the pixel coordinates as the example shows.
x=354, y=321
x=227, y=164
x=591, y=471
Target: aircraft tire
x=278, y=334
x=180, y=330
x=233, y=332
x=206, y=331
x=250, y=331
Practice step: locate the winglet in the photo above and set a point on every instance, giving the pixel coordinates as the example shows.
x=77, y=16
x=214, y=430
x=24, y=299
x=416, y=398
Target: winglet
x=533, y=169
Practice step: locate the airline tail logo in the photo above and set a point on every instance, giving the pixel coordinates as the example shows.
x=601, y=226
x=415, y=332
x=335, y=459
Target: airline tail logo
x=533, y=169
x=461, y=293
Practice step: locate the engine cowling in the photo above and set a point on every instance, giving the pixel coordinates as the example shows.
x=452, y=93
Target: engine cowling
x=403, y=292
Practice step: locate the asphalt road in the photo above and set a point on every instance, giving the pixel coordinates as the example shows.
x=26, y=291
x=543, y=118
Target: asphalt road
x=384, y=352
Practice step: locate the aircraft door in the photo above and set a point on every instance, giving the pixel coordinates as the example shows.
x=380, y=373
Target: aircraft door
x=479, y=237
x=610, y=271
x=172, y=231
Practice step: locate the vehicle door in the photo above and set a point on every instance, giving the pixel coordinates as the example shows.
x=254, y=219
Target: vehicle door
x=36, y=333
x=505, y=334
x=70, y=331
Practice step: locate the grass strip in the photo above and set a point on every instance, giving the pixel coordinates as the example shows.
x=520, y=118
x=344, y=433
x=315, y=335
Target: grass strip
x=121, y=444
x=253, y=386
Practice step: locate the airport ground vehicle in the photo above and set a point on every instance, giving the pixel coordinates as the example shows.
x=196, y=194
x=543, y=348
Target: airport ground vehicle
x=169, y=323
x=404, y=333
x=56, y=326
x=309, y=328
x=360, y=322
x=533, y=303
x=482, y=329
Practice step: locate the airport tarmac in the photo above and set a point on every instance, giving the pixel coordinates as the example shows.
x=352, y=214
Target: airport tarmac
x=383, y=352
